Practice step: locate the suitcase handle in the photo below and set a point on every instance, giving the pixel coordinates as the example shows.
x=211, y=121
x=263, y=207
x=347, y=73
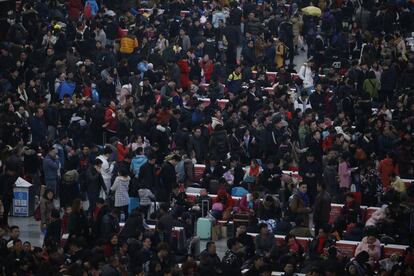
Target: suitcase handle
x=204, y=201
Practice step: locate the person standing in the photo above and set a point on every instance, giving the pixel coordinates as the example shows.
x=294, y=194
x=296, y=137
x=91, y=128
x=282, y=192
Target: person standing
x=231, y=261
x=120, y=187
x=322, y=207
x=210, y=264
x=299, y=204
x=106, y=169
x=93, y=183
x=46, y=207
x=51, y=170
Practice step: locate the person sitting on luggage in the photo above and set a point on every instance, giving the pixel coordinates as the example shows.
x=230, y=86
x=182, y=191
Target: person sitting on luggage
x=228, y=202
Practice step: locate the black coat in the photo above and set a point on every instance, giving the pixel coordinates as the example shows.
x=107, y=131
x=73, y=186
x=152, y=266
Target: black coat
x=200, y=147
x=92, y=181
x=168, y=181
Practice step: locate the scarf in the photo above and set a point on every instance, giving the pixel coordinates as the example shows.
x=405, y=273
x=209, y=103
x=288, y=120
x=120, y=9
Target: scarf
x=304, y=198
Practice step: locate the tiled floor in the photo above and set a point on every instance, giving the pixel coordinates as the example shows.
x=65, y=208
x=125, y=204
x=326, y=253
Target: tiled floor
x=29, y=229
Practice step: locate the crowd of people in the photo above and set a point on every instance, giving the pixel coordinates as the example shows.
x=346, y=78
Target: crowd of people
x=110, y=107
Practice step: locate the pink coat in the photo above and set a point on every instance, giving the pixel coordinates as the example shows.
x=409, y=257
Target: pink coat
x=344, y=173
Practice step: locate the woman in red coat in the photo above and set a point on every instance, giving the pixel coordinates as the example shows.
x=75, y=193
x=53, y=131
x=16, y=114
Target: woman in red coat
x=185, y=72
x=207, y=65
x=75, y=8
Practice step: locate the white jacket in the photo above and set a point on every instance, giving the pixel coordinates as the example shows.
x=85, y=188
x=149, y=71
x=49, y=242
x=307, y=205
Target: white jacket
x=302, y=105
x=306, y=74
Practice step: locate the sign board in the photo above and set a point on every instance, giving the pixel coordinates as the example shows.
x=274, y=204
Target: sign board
x=21, y=202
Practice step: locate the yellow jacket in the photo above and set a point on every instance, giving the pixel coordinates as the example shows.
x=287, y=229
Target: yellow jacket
x=128, y=45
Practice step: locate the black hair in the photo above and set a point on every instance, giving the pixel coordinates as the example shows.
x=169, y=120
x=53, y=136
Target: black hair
x=231, y=242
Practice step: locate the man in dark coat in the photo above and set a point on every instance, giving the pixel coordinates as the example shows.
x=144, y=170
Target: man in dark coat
x=310, y=171
x=322, y=207
x=38, y=128
x=210, y=264
x=198, y=145
x=168, y=178
x=93, y=183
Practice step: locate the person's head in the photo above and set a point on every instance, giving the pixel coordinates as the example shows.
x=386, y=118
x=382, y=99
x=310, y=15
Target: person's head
x=197, y=132
x=310, y=157
x=113, y=240
x=152, y=158
x=233, y=245
x=266, y=270
x=27, y=247
x=98, y=164
x=263, y=229
x=14, y=232
x=52, y=152
x=289, y=269
x=303, y=187
x=211, y=248
x=258, y=261
x=146, y=243
x=49, y=194
x=39, y=112
x=107, y=151
x=162, y=250
x=17, y=245
x=349, y=197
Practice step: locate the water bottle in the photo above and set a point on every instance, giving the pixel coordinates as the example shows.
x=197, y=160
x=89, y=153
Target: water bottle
x=122, y=220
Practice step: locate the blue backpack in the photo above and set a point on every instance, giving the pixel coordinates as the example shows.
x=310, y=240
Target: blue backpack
x=239, y=191
x=66, y=88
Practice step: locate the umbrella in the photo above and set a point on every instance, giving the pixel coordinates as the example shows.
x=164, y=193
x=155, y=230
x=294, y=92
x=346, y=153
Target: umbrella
x=312, y=11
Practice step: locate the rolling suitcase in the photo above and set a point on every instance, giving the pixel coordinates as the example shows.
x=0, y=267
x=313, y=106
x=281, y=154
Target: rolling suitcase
x=204, y=224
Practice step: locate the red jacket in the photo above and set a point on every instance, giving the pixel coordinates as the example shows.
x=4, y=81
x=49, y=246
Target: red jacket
x=185, y=72
x=111, y=122
x=75, y=8
x=208, y=70
x=122, y=151
x=385, y=168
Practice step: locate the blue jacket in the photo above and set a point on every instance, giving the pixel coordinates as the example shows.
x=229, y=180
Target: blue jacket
x=137, y=162
x=51, y=168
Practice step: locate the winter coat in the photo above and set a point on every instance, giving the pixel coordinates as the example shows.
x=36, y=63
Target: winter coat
x=51, y=168
x=372, y=86
x=121, y=187
x=184, y=75
x=298, y=208
x=111, y=122
x=74, y=9
x=46, y=207
x=137, y=162
x=322, y=208
x=344, y=173
x=145, y=197
x=92, y=181
x=219, y=144
x=386, y=168
x=374, y=253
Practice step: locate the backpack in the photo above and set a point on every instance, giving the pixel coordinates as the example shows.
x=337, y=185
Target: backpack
x=239, y=191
